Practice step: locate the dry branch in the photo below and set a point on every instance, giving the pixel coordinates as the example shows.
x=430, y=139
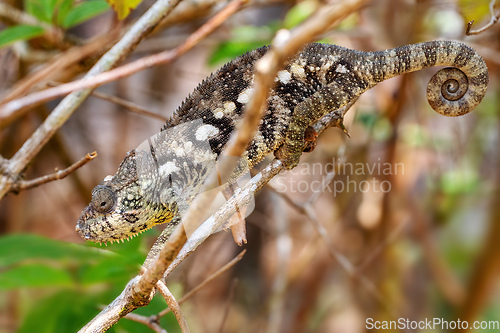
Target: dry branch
x=129, y=106
x=212, y=277
x=173, y=305
x=27, y=184
x=146, y=321
x=20, y=105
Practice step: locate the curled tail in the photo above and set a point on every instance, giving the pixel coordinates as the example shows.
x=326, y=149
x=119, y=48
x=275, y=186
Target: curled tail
x=452, y=91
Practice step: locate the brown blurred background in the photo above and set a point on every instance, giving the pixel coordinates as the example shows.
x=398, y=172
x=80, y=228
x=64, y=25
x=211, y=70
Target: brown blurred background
x=418, y=239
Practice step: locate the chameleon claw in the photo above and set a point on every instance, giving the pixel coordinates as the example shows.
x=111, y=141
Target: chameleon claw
x=342, y=127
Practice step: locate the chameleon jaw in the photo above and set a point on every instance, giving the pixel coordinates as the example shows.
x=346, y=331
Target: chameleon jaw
x=113, y=227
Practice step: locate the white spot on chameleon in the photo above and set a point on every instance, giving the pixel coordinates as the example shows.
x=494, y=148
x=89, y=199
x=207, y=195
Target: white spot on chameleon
x=298, y=71
x=168, y=168
x=108, y=178
x=184, y=148
x=244, y=96
x=341, y=69
x=284, y=76
x=218, y=113
x=229, y=107
x=206, y=132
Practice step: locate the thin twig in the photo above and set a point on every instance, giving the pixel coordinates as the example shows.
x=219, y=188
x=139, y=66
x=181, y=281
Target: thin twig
x=493, y=20
x=173, y=305
x=146, y=321
x=132, y=107
x=27, y=184
x=64, y=61
x=212, y=277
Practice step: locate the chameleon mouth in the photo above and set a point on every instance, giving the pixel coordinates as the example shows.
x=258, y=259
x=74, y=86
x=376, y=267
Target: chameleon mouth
x=88, y=235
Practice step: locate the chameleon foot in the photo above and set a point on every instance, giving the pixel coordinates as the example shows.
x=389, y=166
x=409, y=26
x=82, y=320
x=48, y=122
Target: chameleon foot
x=310, y=138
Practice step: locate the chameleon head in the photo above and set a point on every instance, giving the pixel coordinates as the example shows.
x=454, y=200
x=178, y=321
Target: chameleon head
x=119, y=209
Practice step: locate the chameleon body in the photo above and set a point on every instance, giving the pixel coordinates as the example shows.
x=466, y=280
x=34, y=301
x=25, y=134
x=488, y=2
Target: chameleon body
x=155, y=184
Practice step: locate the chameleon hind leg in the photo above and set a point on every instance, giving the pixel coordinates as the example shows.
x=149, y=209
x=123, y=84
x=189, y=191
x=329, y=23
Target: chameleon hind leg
x=299, y=137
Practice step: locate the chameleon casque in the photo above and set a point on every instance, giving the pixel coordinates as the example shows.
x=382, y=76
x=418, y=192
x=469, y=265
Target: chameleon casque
x=155, y=184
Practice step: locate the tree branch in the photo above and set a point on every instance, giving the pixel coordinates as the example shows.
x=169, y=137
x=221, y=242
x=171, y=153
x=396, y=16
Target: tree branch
x=173, y=305
x=27, y=184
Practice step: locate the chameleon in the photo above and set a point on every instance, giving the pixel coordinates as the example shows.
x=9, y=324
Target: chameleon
x=155, y=183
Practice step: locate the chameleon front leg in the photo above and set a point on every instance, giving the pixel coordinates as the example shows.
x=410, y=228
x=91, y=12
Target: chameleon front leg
x=160, y=241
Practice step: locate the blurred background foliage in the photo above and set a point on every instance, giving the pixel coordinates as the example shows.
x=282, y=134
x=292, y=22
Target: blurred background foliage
x=429, y=245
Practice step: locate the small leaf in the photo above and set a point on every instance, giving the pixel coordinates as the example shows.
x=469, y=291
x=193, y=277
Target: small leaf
x=33, y=275
x=123, y=7
x=63, y=7
x=298, y=13
x=41, y=9
x=232, y=49
x=19, y=32
x=84, y=11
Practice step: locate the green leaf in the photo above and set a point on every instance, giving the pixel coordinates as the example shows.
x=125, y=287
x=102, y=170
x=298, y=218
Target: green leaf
x=83, y=12
x=230, y=50
x=41, y=9
x=59, y=13
x=18, y=247
x=123, y=7
x=34, y=275
x=298, y=13
x=19, y=32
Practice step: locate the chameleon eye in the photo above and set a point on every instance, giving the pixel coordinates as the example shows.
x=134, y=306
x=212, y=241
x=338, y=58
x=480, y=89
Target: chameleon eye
x=103, y=199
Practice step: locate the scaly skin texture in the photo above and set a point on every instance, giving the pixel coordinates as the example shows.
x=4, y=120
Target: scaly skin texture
x=155, y=183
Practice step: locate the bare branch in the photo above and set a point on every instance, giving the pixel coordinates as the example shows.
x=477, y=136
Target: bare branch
x=148, y=321
x=11, y=108
x=27, y=184
x=68, y=59
x=173, y=305
x=493, y=20
x=206, y=281
x=132, y=107
x=127, y=301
